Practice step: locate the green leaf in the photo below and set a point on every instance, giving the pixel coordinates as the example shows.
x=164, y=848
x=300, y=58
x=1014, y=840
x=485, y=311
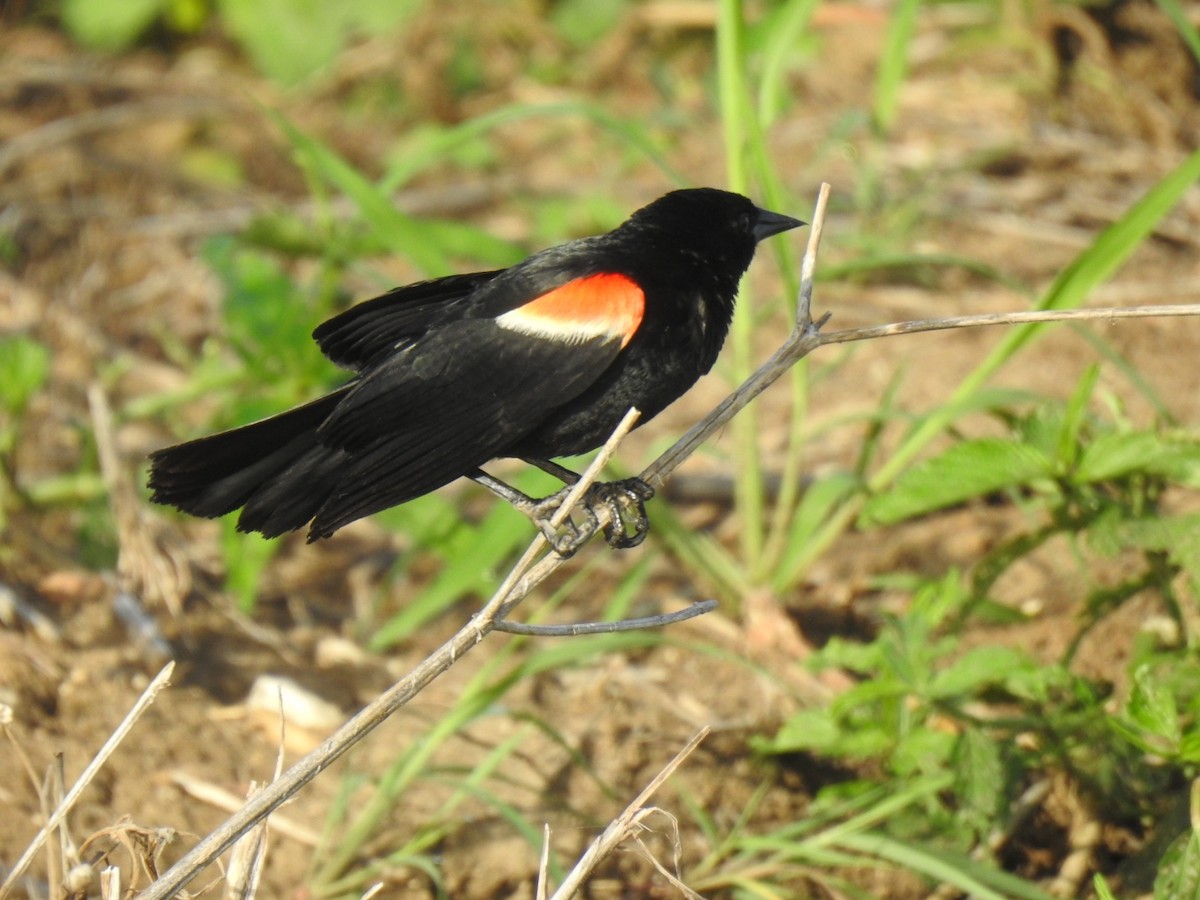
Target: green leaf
x=976, y=879
x=583, y=22
x=808, y=729
x=923, y=749
x=474, y=555
x=466, y=240
x=1152, y=706
x=1116, y=454
x=1103, y=891
x=979, y=779
x=840, y=653
x=976, y=669
x=264, y=310
x=1074, y=417
x=1177, y=536
x=1092, y=267
x=1189, y=746
x=377, y=16
x=24, y=368
x=1179, y=870
x=289, y=40
x=965, y=471
x=109, y=24
x=1183, y=24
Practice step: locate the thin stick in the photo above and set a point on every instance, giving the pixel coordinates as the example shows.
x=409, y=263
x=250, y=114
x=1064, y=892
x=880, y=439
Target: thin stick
x=543, y=881
x=696, y=609
x=1011, y=318
x=161, y=680
x=619, y=828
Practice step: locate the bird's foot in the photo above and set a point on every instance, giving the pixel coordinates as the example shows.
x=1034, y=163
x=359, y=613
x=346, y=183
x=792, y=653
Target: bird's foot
x=624, y=500
x=566, y=538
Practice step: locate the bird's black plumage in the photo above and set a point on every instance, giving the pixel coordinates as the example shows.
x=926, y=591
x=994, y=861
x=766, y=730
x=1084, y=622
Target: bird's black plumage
x=538, y=360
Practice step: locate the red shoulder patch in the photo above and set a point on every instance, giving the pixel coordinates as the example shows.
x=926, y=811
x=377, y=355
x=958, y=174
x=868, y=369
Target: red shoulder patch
x=602, y=305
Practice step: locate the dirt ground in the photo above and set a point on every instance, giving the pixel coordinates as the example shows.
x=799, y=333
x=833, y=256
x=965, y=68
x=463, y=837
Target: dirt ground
x=106, y=186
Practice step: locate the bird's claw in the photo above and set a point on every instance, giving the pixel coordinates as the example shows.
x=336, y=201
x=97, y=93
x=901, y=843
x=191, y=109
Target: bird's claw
x=567, y=537
x=625, y=502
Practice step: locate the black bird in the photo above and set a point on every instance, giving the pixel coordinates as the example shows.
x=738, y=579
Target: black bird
x=539, y=360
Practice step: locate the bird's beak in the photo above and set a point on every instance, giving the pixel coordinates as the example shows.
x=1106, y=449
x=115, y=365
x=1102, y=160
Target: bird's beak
x=770, y=223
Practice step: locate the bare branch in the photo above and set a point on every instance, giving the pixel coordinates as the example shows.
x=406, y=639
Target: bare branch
x=1011, y=318
x=574, y=630
x=623, y=825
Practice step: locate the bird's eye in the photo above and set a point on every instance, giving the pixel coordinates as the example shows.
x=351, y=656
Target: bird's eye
x=744, y=221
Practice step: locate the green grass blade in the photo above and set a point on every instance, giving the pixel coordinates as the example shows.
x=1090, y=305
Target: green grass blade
x=817, y=504
x=735, y=117
x=1140, y=383
x=404, y=234
x=1183, y=24
x=1092, y=267
x=893, y=65
x=436, y=149
x=780, y=48
x=890, y=803
x=942, y=867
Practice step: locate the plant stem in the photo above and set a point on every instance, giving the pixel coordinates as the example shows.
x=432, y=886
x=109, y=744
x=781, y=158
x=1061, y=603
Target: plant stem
x=735, y=112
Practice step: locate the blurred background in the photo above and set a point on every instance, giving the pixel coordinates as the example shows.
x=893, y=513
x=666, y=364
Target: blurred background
x=957, y=571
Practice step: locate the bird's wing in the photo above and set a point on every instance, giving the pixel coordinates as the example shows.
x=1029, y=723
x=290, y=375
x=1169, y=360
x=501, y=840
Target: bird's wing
x=465, y=392
x=364, y=333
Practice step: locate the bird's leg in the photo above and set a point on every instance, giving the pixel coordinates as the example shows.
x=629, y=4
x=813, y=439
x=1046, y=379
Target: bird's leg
x=565, y=539
x=624, y=499
x=550, y=467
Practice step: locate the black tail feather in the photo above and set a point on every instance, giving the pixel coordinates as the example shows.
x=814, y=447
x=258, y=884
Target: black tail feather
x=274, y=468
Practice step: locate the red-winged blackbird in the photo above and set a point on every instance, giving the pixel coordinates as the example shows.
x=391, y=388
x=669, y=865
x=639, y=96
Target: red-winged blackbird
x=539, y=360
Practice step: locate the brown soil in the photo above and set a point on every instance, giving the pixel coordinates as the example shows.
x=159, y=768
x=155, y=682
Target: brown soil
x=109, y=186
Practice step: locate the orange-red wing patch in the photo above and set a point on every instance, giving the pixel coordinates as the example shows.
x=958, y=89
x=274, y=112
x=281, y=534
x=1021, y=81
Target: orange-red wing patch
x=604, y=305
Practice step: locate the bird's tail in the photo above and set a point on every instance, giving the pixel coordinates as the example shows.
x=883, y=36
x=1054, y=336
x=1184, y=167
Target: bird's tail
x=274, y=469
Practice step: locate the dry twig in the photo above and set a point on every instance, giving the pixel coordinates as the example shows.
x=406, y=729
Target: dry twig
x=161, y=680
x=626, y=825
